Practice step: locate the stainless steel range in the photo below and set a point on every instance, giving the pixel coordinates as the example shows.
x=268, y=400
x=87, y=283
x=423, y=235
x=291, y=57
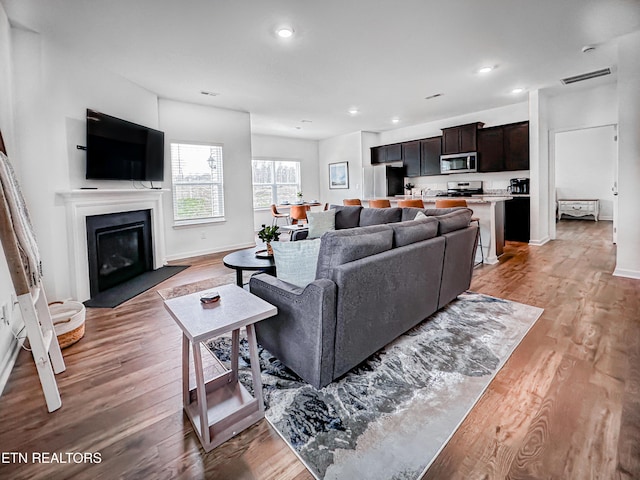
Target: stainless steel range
x=463, y=189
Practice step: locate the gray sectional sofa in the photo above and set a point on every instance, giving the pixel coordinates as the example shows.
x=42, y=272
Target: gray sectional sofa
x=379, y=274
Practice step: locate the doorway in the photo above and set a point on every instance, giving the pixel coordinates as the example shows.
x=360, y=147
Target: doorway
x=585, y=167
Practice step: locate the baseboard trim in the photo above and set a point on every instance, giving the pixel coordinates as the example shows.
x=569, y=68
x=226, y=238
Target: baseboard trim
x=199, y=253
x=621, y=272
x=539, y=243
x=8, y=362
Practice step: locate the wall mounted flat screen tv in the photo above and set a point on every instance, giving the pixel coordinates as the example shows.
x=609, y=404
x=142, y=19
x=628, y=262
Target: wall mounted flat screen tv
x=121, y=150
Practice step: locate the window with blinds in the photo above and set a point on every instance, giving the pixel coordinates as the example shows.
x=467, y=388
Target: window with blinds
x=196, y=173
x=275, y=181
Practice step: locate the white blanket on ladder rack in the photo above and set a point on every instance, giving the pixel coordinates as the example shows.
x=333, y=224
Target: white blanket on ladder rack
x=21, y=222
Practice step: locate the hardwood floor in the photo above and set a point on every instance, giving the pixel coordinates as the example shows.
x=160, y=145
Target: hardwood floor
x=566, y=405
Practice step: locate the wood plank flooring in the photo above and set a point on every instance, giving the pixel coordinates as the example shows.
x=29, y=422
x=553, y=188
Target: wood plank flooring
x=565, y=406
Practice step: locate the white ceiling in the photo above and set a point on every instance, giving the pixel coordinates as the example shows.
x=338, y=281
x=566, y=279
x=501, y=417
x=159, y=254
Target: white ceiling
x=380, y=56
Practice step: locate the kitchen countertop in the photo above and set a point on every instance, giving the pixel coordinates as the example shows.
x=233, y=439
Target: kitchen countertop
x=476, y=199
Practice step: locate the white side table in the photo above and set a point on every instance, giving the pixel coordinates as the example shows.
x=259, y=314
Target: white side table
x=220, y=407
x=579, y=208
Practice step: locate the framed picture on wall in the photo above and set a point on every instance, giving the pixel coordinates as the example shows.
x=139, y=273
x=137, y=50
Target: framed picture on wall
x=338, y=175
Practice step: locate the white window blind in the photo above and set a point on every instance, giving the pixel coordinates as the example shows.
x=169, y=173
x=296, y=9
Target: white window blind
x=196, y=173
x=275, y=181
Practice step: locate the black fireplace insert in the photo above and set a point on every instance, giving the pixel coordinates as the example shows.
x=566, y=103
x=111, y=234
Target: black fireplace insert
x=119, y=247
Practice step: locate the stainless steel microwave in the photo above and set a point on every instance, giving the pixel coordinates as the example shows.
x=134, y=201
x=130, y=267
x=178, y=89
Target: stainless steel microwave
x=459, y=163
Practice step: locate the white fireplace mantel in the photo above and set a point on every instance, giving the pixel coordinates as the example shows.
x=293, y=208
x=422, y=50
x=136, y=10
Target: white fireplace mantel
x=81, y=204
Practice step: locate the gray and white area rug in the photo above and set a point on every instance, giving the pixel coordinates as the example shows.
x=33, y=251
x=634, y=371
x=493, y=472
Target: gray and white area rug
x=389, y=417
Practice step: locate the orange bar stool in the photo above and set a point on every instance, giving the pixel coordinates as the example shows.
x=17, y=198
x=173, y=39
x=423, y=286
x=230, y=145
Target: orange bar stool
x=458, y=202
x=381, y=203
x=351, y=201
x=450, y=203
x=415, y=203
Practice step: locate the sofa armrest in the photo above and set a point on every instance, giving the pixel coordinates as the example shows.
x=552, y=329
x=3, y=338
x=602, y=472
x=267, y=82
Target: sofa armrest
x=302, y=334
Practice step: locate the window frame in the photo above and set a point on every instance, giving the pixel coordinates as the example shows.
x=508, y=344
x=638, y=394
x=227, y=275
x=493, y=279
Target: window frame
x=177, y=223
x=274, y=185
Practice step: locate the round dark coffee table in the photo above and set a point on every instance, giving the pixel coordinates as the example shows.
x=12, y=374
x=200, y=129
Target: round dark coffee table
x=247, y=260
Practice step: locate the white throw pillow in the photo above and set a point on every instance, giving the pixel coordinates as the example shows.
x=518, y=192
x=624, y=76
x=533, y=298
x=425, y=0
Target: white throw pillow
x=296, y=262
x=321, y=222
x=420, y=215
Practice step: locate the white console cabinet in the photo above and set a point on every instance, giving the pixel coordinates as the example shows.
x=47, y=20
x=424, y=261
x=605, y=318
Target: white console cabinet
x=579, y=208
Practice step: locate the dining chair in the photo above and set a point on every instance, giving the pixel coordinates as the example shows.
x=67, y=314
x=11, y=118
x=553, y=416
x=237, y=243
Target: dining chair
x=414, y=202
x=277, y=215
x=351, y=201
x=380, y=203
x=460, y=202
x=298, y=213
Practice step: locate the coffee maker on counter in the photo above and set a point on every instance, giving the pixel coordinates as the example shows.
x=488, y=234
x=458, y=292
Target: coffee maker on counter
x=519, y=185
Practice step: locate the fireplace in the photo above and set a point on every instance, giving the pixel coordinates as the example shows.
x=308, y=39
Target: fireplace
x=119, y=248
x=83, y=203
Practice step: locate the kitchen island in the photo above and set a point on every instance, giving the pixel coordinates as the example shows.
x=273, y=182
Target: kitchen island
x=490, y=212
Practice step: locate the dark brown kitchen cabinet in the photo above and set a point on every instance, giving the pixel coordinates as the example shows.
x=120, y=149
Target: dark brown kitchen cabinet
x=411, y=158
x=460, y=139
x=516, y=146
x=504, y=148
x=386, y=153
x=491, y=149
x=431, y=149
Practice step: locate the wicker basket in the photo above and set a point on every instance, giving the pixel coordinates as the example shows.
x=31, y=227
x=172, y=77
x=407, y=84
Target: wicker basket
x=68, y=320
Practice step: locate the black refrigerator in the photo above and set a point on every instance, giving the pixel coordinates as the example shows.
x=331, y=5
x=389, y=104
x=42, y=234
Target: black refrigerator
x=395, y=181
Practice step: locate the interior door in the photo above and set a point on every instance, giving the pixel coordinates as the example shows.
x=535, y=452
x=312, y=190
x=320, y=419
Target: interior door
x=586, y=168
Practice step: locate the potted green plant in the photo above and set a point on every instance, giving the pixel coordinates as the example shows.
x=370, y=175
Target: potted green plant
x=268, y=235
x=409, y=187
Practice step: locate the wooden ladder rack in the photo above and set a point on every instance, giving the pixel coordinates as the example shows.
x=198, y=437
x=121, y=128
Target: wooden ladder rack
x=34, y=308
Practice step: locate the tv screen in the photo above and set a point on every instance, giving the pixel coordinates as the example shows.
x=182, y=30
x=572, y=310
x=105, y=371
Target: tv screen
x=121, y=150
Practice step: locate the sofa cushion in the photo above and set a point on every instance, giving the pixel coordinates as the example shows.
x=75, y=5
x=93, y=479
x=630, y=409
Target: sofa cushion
x=347, y=216
x=296, y=261
x=379, y=216
x=414, y=231
x=409, y=213
x=454, y=221
x=343, y=246
x=321, y=222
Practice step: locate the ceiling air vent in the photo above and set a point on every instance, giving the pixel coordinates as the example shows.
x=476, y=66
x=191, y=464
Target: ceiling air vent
x=586, y=76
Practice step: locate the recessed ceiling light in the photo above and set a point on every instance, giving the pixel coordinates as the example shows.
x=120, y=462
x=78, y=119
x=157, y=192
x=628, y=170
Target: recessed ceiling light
x=306, y=121
x=588, y=48
x=395, y=120
x=435, y=95
x=211, y=94
x=485, y=69
x=353, y=111
x=515, y=91
x=285, y=32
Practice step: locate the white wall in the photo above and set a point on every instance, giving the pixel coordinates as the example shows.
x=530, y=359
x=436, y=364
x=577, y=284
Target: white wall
x=584, y=166
x=8, y=344
x=184, y=122
x=579, y=110
x=343, y=148
x=53, y=91
x=583, y=108
x=628, y=250
x=539, y=168
x=283, y=148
